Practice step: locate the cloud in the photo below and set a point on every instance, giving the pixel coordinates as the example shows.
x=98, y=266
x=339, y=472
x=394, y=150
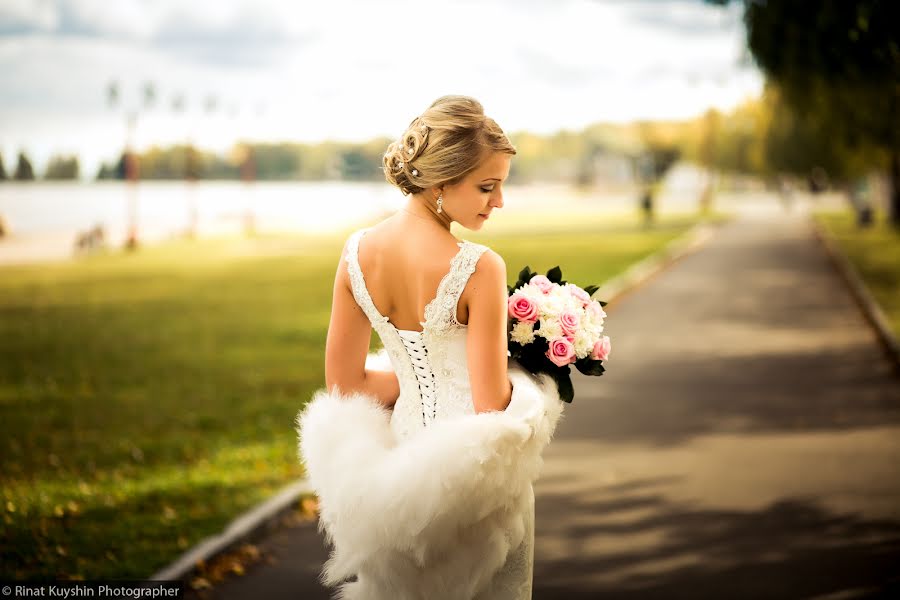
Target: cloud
x=251, y=38
x=683, y=17
x=224, y=33
x=27, y=16
x=351, y=70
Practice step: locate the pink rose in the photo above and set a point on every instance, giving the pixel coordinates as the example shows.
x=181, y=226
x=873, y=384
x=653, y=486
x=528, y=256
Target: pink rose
x=561, y=352
x=601, y=349
x=579, y=293
x=596, y=310
x=522, y=308
x=569, y=323
x=542, y=283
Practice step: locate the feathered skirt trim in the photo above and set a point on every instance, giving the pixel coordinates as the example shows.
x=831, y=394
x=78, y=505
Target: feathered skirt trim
x=434, y=515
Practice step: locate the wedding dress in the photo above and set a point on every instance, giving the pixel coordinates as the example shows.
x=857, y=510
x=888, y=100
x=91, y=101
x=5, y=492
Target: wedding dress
x=430, y=500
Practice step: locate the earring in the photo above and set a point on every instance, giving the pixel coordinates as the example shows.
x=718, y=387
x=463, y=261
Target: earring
x=440, y=202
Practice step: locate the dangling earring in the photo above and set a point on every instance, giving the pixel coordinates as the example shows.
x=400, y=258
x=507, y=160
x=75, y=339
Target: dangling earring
x=440, y=203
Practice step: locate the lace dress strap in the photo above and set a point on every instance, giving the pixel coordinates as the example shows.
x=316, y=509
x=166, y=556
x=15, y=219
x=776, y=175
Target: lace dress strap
x=358, y=282
x=440, y=314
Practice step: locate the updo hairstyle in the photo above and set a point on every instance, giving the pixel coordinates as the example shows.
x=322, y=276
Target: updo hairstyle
x=443, y=145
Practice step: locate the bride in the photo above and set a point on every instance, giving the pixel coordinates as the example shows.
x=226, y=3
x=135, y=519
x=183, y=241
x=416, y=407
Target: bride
x=423, y=455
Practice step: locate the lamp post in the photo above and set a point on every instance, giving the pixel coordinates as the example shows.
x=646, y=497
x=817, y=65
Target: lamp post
x=130, y=163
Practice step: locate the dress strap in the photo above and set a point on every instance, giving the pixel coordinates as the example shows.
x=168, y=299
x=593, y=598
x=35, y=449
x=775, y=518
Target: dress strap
x=440, y=314
x=358, y=282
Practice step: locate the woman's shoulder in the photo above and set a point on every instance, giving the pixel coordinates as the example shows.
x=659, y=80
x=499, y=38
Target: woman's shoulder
x=487, y=262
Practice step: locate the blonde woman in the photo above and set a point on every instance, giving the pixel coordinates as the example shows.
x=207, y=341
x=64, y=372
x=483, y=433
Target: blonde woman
x=423, y=456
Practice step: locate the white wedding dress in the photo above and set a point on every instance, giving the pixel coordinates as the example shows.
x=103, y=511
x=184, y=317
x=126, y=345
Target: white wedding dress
x=429, y=500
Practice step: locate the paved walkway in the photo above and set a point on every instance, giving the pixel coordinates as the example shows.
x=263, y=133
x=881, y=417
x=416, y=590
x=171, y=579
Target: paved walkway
x=744, y=443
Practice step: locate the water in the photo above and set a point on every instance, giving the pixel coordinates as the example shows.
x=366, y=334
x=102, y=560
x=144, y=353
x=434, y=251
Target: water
x=44, y=218
x=165, y=208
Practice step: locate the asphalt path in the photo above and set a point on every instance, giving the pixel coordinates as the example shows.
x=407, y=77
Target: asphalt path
x=743, y=443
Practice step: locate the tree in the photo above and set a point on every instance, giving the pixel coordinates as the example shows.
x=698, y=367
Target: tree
x=24, y=171
x=837, y=61
x=62, y=167
x=3, y=175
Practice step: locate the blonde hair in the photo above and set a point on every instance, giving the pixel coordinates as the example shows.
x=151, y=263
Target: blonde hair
x=443, y=145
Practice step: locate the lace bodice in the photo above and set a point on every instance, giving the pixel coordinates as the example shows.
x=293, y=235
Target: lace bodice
x=430, y=364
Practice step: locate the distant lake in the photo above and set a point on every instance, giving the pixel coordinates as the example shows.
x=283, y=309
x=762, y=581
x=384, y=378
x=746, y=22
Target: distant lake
x=46, y=216
x=164, y=207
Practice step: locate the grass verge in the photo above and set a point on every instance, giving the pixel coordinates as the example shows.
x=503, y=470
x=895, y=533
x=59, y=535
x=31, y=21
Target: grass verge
x=873, y=252
x=147, y=399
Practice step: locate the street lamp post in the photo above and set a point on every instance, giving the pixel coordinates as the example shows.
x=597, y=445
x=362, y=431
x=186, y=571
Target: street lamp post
x=130, y=162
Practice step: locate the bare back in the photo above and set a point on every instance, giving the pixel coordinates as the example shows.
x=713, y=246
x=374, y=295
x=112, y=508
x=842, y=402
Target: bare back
x=403, y=268
x=438, y=305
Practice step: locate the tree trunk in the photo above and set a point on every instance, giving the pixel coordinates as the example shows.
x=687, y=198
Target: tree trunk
x=894, y=198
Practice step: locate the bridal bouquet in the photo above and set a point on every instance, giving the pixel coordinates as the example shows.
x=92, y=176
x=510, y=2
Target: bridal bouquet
x=554, y=324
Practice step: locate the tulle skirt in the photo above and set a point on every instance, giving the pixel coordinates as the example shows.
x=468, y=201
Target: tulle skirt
x=448, y=514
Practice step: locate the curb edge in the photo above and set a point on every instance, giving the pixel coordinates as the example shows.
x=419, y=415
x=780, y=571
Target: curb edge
x=867, y=303
x=246, y=526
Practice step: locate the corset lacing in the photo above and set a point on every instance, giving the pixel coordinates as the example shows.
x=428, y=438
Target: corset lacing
x=418, y=354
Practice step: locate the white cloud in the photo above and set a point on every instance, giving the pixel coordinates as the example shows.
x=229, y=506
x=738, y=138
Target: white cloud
x=40, y=15
x=352, y=70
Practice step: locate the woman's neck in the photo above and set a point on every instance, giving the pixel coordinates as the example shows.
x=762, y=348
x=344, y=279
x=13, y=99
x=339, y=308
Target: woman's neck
x=420, y=208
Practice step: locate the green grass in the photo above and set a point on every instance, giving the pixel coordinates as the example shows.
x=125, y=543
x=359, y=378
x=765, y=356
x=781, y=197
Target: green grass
x=147, y=399
x=873, y=252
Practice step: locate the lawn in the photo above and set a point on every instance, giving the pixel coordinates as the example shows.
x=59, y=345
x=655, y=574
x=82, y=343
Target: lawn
x=147, y=399
x=873, y=252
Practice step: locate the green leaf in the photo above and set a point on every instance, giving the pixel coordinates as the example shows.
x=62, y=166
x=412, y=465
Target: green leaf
x=588, y=366
x=555, y=274
x=602, y=303
x=509, y=290
x=525, y=274
x=564, y=384
x=591, y=289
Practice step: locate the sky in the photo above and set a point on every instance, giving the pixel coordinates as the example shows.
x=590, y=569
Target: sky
x=278, y=70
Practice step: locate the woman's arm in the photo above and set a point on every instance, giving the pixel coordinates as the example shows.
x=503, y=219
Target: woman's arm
x=486, y=345
x=347, y=345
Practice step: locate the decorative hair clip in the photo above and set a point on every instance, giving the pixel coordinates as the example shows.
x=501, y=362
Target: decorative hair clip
x=415, y=173
x=400, y=166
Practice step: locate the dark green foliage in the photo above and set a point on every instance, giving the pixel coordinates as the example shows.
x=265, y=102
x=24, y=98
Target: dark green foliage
x=564, y=384
x=589, y=367
x=24, y=171
x=838, y=64
x=555, y=275
x=62, y=167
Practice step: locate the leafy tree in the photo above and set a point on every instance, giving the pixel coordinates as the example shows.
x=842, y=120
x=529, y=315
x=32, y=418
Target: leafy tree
x=62, y=167
x=837, y=63
x=24, y=171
